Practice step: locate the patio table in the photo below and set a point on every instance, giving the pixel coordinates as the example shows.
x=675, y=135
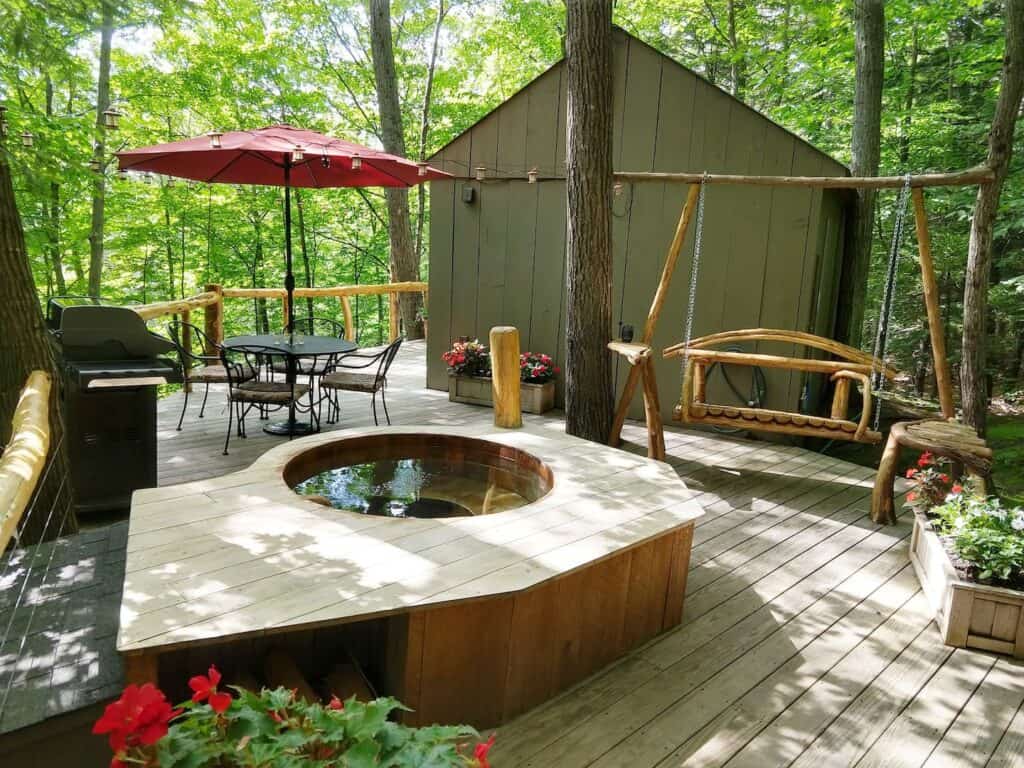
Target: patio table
x=292, y=347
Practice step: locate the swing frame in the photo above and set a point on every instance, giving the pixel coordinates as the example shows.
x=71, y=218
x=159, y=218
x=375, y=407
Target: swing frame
x=639, y=360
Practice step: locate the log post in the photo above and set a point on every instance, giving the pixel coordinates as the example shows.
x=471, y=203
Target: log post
x=346, y=313
x=652, y=411
x=186, y=343
x=883, y=507
x=505, y=380
x=393, y=315
x=841, y=399
x=931, y=302
x=699, y=382
x=213, y=319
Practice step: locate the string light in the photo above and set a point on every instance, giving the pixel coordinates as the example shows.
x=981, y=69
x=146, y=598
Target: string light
x=111, y=118
x=357, y=162
x=531, y=176
x=215, y=139
x=421, y=169
x=298, y=154
x=481, y=173
x=617, y=189
x=27, y=140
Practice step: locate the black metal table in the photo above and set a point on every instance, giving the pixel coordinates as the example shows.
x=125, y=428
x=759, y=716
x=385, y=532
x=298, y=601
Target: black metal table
x=292, y=347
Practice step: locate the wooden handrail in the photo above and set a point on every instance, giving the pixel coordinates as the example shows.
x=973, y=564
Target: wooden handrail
x=162, y=308
x=25, y=455
x=980, y=174
x=336, y=291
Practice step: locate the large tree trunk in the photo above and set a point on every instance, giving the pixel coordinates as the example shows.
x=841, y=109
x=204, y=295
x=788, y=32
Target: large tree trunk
x=588, y=374
x=869, y=35
x=973, y=384
x=99, y=183
x=52, y=210
x=24, y=349
x=404, y=259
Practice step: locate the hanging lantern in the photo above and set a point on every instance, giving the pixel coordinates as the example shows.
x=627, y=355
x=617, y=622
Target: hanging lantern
x=111, y=118
x=215, y=139
x=421, y=169
x=325, y=161
x=617, y=189
x=357, y=162
x=531, y=176
x=27, y=140
x=481, y=173
x=298, y=154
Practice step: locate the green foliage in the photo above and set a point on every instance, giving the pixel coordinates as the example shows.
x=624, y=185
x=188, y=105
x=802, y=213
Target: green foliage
x=984, y=533
x=181, y=69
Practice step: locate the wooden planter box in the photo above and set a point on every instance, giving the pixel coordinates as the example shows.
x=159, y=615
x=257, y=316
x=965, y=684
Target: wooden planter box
x=476, y=390
x=969, y=615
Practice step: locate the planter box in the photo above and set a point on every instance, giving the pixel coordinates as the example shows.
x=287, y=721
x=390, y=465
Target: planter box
x=476, y=390
x=969, y=615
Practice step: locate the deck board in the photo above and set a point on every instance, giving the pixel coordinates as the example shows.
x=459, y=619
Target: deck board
x=805, y=640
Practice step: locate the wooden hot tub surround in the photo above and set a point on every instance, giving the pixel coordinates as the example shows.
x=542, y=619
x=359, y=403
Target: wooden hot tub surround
x=475, y=619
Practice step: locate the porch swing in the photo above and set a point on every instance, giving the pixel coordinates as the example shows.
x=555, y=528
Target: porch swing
x=850, y=367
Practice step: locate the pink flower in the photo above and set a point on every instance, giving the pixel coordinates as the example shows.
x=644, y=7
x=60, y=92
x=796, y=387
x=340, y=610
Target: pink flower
x=911, y=473
x=957, y=488
x=335, y=703
x=480, y=752
x=926, y=459
x=912, y=496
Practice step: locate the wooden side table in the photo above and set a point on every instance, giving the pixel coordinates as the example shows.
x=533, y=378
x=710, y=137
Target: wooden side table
x=639, y=357
x=950, y=438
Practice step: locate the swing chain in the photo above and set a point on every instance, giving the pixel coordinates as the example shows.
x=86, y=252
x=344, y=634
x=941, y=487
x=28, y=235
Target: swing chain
x=698, y=237
x=892, y=271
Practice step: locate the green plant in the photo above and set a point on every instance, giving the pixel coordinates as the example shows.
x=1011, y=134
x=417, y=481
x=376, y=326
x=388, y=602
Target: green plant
x=929, y=482
x=274, y=729
x=537, y=368
x=468, y=358
x=983, y=532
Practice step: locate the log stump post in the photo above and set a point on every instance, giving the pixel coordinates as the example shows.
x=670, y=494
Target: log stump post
x=883, y=507
x=505, y=377
x=186, y=342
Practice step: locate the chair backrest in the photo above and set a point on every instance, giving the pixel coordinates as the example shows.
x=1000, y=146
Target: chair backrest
x=182, y=332
x=243, y=363
x=319, y=326
x=387, y=357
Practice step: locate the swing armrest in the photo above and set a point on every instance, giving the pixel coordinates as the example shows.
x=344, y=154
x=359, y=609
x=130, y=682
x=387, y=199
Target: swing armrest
x=865, y=415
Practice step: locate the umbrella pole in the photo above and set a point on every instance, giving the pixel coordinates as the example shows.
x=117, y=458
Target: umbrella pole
x=289, y=278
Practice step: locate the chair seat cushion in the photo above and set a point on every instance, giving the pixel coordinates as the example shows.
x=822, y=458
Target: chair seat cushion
x=277, y=392
x=350, y=381
x=304, y=365
x=216, y=374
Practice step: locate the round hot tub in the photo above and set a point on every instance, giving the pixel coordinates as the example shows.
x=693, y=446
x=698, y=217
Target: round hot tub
x=422, y=476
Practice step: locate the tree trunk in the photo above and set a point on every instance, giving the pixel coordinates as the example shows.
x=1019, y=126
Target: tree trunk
x=307, y=271
x=737, y=67
x=588, y=374
x=973, y=385
x=26, y=348
x=52, y=210
x=865, y=148
x=421, y=190
x=99, y=182
x=404, y=260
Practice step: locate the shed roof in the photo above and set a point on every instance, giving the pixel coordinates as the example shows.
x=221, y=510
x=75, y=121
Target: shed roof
x=841, y=167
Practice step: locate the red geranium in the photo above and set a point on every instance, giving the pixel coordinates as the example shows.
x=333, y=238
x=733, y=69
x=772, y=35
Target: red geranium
x=204, y=687
x=957, y=488
x=911, y=472
x=336, y=703
x=139, y=717
x=481, y=750
x=926, y=459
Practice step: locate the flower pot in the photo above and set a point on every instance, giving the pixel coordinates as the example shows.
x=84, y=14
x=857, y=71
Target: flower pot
x=969, y=615
x=476, y=390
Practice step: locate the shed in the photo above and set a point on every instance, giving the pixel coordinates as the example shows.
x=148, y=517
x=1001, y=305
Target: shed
x=771, y=256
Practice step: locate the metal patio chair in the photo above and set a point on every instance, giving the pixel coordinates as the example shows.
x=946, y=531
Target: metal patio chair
x=359, y=372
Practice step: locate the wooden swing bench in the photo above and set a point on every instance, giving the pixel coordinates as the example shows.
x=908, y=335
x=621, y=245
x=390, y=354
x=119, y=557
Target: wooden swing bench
x=853, y=367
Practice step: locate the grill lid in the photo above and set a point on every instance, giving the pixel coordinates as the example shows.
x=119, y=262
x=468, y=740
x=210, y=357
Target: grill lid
x=97, y=332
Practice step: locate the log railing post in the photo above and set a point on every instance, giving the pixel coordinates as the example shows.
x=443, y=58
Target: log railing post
x=346, y=313
x=931, y=302
x=505, y=374
x=186, y=342
x=841, y=399
x=393, y=316
x=213, y=319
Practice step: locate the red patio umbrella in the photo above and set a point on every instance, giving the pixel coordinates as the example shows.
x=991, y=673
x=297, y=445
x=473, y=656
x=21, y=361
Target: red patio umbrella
x=280, y=156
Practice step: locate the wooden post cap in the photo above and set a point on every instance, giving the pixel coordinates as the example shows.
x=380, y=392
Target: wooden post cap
x=505, y=376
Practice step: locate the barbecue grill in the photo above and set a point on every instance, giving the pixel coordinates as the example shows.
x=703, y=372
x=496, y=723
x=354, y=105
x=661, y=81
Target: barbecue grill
x=111, y=365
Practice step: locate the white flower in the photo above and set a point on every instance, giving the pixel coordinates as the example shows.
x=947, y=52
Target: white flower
x=1018, y=520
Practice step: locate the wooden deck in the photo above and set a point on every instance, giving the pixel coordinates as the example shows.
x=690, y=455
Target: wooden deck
x=806, y=640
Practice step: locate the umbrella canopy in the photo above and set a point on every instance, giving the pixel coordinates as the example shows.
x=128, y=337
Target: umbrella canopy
x=278, y=155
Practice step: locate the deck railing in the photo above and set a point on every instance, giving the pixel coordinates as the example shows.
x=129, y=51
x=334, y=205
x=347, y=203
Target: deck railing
x=24, y=456
x=211, y=301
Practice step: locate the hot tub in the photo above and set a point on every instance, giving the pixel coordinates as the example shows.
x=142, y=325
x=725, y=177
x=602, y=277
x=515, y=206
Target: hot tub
x=470, y=617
